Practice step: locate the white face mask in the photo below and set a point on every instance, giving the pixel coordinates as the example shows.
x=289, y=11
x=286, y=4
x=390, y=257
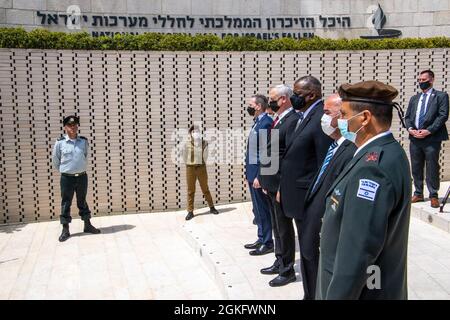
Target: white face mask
x=196, y=135
x=325, y=122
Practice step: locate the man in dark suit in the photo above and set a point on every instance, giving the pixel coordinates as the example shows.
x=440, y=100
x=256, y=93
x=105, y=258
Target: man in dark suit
x=425, y=119
x=339, y=153
x=255, y=147
x=364, y=235
x=303, y=157
x=269, y=177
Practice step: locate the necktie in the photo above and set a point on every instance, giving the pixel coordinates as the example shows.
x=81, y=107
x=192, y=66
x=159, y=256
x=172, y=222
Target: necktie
x=275, y=122
x=300, y=114
x=325, y=163
x=422, y=111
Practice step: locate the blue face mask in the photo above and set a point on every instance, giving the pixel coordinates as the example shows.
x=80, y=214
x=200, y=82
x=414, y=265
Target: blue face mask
x=343, y=127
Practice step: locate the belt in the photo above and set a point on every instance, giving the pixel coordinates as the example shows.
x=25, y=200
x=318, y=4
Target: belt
x=73, y=174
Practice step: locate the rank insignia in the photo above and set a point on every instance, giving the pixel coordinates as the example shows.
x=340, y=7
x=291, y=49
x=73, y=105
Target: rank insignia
x=372, y=156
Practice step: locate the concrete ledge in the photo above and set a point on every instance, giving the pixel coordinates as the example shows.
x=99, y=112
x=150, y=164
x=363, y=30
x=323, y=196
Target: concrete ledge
x=432, y=216
x=228, y=277
x=219, y=241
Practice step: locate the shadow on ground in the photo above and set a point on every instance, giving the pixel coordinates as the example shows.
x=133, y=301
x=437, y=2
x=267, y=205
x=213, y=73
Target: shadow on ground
x=12, y=228
x=222, y=210
x=108, y=230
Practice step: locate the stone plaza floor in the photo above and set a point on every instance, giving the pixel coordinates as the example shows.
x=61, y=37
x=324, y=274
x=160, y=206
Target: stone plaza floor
x=162, y=256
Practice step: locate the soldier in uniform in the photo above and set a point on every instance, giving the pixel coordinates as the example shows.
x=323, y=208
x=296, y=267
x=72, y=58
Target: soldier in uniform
x=70, y=159
x=364, y=235
x=195, y=153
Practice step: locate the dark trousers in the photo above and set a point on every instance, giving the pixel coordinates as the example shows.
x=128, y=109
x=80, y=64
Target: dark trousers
x=262, y=215
x=284, y=236
x=425, y=154
x=309, y=238
x=69, y=186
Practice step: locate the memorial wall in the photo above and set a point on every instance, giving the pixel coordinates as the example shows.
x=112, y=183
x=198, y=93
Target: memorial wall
x=265, y=19
x=135, y=109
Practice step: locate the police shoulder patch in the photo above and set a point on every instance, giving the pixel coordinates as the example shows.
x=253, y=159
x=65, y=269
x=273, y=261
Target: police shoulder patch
x=367, y=189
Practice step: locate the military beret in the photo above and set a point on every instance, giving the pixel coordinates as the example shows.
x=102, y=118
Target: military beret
x=71, y=120
x=368, y=91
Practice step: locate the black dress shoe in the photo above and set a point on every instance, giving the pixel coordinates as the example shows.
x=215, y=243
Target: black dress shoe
x=262, y=249
x=65, y=234
x=253, y=245
x=213, y=210
x=270, y=270
x=189, y=216
x=89, y=228
x=282, y=280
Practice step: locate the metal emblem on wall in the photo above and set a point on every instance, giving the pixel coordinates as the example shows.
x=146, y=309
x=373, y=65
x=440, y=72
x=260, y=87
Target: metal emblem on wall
x=377, y=21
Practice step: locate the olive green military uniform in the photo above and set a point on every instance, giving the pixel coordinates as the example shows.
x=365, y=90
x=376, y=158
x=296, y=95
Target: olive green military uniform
x=195, y=159
x=366, y=224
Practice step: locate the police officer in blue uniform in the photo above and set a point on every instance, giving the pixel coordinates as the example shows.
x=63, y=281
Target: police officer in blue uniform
x=70, y=158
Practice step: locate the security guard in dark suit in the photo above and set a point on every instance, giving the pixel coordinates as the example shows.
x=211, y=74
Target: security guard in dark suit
x=70, y=158
x=364, y=235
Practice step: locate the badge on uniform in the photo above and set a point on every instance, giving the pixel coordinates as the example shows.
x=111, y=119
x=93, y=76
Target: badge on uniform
x=372, y=156
x=335, y=203
x=367, y=189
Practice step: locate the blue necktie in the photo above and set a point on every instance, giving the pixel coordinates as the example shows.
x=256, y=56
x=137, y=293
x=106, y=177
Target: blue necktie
x=325, y=163
x=422, y=111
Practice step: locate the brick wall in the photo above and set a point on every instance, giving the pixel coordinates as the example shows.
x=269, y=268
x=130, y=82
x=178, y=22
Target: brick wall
x=131, y=103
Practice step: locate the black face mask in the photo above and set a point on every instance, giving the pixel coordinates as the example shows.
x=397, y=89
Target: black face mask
x=424, y=85
x=274, y=106
x=251, y=111
x=298, y=102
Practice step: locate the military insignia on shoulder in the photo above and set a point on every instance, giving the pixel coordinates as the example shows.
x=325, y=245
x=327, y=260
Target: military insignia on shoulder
x=367, y=189
x=84, y=138
x=372, y=156
x=60, y=138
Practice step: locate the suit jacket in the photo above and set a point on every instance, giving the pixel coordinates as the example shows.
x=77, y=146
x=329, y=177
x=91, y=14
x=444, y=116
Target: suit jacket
x=435, y=116
x=254, y=147
x=302, y=158
x=365, y=226
x=315, y=201
x=283, y=130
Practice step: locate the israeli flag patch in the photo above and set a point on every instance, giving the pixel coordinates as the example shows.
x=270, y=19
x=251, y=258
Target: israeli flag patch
x=367, y=189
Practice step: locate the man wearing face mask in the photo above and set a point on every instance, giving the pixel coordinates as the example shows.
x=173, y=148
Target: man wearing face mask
x=269, y=177
x=425, y=119
x=260, y=130
x=302, y=158
x=364, y=235
x=339, y=153
x=195, y=152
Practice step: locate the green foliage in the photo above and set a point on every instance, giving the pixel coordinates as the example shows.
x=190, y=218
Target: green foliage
x=44, y=39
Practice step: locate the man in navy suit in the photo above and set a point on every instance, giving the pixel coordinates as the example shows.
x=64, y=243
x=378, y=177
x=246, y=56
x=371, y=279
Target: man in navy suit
x=256, y=145
x=339, y=154
x=425, y=119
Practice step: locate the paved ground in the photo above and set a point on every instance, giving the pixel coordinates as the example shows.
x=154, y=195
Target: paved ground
x=160, y=256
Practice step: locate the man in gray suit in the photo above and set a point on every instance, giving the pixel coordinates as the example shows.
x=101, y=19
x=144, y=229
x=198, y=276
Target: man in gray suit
x=425, y=119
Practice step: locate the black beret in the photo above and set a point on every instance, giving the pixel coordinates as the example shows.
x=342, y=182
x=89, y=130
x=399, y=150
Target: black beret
x=368, y=91
x=71, y=120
